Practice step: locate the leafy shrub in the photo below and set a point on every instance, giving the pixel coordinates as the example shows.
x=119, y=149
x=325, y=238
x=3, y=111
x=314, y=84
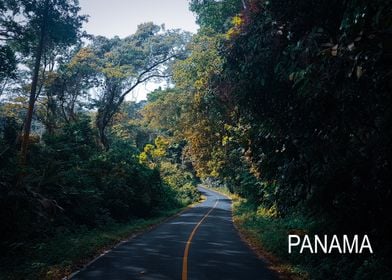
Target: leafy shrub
x=181, y=181
x=71, y=182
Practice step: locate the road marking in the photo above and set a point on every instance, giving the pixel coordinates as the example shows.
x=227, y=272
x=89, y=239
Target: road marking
x=188, y=244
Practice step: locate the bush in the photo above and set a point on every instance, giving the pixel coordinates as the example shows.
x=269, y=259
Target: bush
x=71, y=182
x=181, y=181
x=272, y=232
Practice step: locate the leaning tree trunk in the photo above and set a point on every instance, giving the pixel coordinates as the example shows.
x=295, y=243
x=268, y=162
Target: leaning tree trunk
x=33, y=90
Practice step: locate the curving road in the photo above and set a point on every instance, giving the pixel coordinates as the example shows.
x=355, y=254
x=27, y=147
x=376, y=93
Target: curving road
x=201, y=243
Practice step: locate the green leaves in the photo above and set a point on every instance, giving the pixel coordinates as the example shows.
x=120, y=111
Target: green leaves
x=215, y=14
x=8, y=63
x=291, y=109
x=121, y=65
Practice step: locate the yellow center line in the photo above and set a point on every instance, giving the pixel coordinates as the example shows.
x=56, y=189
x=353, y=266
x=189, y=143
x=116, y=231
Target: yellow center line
x=188, y=244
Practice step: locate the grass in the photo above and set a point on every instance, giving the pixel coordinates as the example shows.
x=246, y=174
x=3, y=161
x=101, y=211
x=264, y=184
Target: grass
x=267, y=235
x=69, y=251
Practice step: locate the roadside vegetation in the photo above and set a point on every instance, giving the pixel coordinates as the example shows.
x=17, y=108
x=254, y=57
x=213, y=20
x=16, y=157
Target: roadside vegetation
x=77, y=199
x=289, y=112
x=80, y=169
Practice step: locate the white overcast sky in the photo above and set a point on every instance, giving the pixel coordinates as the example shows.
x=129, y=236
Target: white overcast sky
x=121, y=17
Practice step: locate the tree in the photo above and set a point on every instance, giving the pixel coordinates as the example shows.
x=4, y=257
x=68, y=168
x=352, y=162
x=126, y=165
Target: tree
x=127, y=125
x=216, y=15
x=7, y=66
x=164, y=110
x=125, y=64
x=67, y=87
x=50, y=24
x=199, y=124
x=10, y=29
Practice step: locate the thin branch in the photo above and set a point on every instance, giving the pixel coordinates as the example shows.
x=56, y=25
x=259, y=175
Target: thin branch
x=140, y=81
x=155, y=76
x=244, y=4
x=140, y=78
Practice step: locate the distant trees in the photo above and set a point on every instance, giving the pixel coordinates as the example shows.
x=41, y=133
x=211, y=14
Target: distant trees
x=113, y=68
x=120, y=65
x=62, y=103
x=9, y=31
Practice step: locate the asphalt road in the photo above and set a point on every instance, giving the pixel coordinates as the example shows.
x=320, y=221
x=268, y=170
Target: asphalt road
x=201, y=243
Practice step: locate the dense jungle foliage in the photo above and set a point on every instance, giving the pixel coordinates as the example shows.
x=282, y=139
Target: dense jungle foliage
x=285, y=103
x=292, y=110
x=75, y=156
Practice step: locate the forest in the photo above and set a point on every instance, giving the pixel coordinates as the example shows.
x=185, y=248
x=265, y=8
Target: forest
x=285, y=105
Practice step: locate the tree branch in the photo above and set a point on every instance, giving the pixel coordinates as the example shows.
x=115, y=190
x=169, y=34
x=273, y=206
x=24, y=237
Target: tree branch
x=140, y=78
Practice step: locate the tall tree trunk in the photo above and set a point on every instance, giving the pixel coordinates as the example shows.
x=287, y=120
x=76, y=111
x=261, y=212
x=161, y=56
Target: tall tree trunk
x=101, y=124
x=105, y=115
x=103, y=138
x=33, y=90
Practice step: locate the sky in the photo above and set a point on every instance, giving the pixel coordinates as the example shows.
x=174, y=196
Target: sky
x=121, y=17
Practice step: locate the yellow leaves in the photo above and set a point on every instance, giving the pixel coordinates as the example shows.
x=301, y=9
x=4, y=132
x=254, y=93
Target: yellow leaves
x=161, y=142
x=87, y=59
x=161, y=145
x=152, y=154
x=197, y=98
x=12, y=109
x=214, y=173
x=226, y=140
x=143, y=158
x=148, y=148
x=85, y=55
x=113, y=72
x=264, y=212
x=237, y=22
x=231, y=33
x=199, y=84
x=158, y=153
